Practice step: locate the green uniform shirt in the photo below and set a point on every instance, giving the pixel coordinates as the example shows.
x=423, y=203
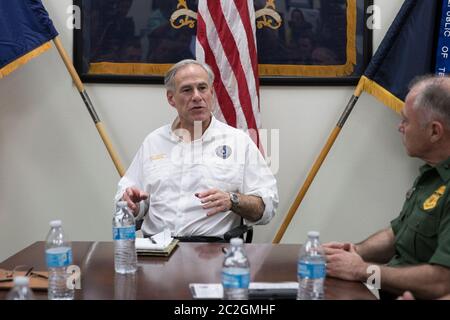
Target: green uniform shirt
x=422, y=230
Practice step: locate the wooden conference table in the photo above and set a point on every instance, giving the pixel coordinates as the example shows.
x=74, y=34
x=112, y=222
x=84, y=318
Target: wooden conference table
x=169, y=277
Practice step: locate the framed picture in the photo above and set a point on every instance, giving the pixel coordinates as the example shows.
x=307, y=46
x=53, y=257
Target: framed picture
x=299, y=42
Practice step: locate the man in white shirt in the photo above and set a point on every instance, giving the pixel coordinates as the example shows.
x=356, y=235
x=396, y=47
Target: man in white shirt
x=198, y=176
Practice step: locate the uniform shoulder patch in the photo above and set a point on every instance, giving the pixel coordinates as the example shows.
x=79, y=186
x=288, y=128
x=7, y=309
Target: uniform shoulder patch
x=431, y=202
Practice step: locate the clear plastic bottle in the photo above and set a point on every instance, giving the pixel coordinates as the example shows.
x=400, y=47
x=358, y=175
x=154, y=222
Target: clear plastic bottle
x=124, y=235
x=21, y=290
x=236, y=272
x=311, y=269
x=58, y=254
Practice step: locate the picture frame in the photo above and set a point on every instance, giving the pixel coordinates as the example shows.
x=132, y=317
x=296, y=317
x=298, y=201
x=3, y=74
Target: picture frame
x=300, y=42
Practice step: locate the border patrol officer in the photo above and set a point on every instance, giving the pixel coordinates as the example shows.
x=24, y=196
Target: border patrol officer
x=414, y=252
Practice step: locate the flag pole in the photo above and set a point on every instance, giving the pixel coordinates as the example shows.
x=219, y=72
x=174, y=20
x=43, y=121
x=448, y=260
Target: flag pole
x=89, y=106
x=319, y=161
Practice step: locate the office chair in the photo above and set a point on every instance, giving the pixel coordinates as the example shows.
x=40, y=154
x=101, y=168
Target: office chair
x=240, y=231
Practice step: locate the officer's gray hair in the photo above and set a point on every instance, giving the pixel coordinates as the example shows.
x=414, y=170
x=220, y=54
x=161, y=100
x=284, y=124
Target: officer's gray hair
x=169, y=81
x=433, y=98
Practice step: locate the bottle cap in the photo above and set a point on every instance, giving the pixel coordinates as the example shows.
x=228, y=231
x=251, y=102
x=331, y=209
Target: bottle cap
x=21, y=281
x=55, y=223
x=236, y=241
x=313, y=234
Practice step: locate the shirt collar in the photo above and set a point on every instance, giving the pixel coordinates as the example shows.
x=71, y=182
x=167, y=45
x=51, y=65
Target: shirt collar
x=443, y=169
x=207, y=135
x=209, y=132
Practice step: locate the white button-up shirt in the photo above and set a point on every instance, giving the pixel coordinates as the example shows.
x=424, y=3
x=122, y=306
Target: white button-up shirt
x=173, y=171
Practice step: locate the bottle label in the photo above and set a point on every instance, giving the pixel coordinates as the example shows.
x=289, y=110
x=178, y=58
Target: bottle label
x=307, y=270
x=58, y=257
x=124, y=233
x=234, y=280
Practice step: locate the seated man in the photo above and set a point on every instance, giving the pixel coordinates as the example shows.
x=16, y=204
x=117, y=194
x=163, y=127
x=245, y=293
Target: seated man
x=414, y=252
x=197, y=176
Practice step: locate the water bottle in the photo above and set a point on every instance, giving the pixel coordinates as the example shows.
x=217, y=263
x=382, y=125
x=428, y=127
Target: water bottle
x=311, y=269
x=236, y=272
x=58, y=254
x=124, y=235
x=21, y=290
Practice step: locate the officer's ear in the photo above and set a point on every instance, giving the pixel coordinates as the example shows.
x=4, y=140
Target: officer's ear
x=437, y=131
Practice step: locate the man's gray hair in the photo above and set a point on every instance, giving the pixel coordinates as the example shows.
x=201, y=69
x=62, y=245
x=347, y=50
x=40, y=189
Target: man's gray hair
x=433, y=97
x=169, y=81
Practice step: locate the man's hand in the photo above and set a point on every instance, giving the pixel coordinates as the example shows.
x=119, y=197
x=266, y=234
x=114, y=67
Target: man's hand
x=216, y=200
x=345, y=264
x=133, y=196
x=340, y=245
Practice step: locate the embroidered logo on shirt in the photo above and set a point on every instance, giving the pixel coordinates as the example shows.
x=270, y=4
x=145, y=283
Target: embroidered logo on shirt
x=432, y=201
x=158, y=156
x=223, y=152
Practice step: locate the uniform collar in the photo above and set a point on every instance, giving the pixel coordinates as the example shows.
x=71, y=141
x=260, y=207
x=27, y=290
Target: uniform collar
x=443, y=169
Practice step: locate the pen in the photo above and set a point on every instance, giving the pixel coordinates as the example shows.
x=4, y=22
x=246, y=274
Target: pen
x=39, y=275
x=28, y=272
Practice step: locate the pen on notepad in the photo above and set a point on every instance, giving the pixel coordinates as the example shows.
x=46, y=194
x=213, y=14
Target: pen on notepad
x=38, y=275
x=28, y=272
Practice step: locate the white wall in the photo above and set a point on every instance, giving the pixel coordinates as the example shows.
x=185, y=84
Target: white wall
x=54, y=165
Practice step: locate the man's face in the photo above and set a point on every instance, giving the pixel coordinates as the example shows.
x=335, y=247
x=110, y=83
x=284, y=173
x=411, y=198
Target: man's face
x=414, y=133
x=193, y=96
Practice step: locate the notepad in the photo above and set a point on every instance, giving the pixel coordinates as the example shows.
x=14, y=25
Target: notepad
x=162, y=244
x=157, y=250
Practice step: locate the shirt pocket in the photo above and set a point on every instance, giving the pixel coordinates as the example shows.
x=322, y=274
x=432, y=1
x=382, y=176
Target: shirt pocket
x=226, y=177
x=425, y=226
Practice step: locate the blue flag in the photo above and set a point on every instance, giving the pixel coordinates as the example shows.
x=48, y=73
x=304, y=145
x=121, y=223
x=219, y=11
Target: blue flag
x=408, y=50
x=25, y=30
x=442, y=52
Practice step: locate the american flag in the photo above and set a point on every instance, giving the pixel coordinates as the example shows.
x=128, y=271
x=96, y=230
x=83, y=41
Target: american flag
x=226, y=41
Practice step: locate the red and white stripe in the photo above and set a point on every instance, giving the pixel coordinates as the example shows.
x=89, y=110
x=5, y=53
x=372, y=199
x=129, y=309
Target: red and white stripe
x=226, y=41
